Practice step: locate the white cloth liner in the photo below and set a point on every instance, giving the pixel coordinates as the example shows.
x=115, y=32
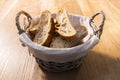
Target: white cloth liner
x=62, y=55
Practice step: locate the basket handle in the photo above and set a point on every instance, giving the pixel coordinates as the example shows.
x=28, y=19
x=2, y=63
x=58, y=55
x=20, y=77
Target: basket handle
x=29, y=18
x=98, y=30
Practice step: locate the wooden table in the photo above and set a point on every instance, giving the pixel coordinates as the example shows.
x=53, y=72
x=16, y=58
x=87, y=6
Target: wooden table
x=102, y=62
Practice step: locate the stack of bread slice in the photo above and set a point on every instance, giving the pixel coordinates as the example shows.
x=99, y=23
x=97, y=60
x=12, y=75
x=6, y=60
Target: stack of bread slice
x=59, y=34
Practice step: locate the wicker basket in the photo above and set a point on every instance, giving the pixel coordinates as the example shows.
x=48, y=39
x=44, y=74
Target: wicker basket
x=63, y=59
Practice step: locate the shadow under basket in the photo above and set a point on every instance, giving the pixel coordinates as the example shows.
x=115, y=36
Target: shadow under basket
x=63, y=59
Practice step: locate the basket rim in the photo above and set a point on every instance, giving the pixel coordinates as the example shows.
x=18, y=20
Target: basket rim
x=58, y=50
x=36, y=46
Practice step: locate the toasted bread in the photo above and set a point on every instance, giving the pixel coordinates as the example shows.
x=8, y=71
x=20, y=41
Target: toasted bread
x=59, y=42
x=44, y=33
x=64, y=27
x=35, y=22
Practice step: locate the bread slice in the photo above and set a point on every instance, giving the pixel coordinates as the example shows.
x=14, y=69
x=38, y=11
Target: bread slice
x=35, y=22
x=59, y=42
x=64, y=26
x=44, y=33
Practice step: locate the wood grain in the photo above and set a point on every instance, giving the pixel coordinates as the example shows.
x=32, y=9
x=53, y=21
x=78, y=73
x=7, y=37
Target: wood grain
x=102, y=62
